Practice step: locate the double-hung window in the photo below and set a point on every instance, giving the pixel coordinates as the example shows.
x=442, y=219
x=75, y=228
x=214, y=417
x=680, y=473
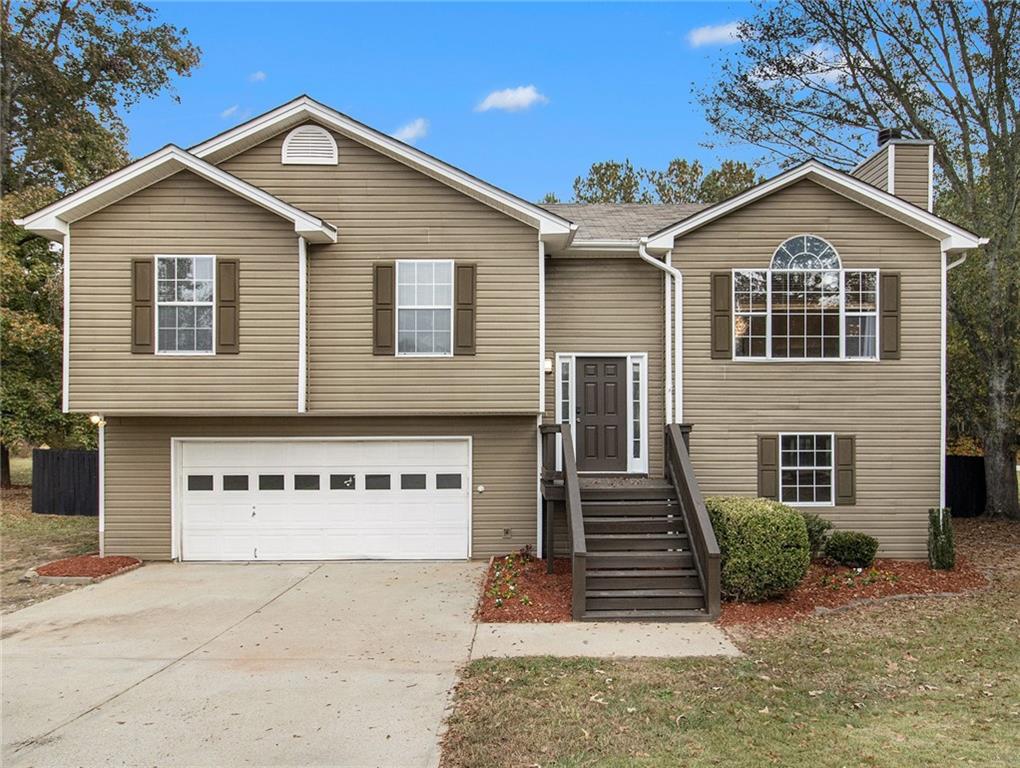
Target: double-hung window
x=806, y=469
x=805, y=306
x=185, y=293
x=425, y=308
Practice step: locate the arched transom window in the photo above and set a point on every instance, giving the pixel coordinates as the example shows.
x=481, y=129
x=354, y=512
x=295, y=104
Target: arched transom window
x=805, y=306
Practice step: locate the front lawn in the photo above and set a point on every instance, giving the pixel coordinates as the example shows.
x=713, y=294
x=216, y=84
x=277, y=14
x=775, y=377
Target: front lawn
x=27, y=540
x=931, y=681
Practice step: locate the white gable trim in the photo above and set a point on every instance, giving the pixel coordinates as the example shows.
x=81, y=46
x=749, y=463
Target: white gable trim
x=552, y=229
x=952, y=237
x=53, y=220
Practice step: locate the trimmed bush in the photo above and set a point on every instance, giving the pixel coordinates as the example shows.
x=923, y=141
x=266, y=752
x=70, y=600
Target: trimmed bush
x=817, y=530
x=851, y=548
x=941, y=546
x=763, y=545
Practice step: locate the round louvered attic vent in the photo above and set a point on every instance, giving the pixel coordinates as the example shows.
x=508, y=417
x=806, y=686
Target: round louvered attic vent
x=309, y=145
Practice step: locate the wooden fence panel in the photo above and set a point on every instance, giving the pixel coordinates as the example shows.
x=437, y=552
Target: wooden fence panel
x=65, y=482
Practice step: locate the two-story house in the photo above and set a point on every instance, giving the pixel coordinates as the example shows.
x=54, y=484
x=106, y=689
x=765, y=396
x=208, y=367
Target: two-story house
x=305, y=339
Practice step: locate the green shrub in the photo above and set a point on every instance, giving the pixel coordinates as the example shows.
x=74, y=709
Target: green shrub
x=764, y=546
x=851, y=548
x=817, y=530
x=941, y=547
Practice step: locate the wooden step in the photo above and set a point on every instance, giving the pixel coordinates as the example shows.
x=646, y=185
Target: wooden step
x=642, y=578
x=635, y=524
x=650, y=614
x=630, y=508
x=628, y=542
x=627, y=493
x=642, y=599
x=639, y=559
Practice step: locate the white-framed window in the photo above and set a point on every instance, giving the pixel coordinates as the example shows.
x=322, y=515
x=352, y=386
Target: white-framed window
x=636, y=400
x=185, y=298
x=425, y=308
x=807, y=469
x=805, y=306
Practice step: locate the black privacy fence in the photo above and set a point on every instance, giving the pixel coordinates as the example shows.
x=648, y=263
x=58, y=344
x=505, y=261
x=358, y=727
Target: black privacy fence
x=965, y=485
x=65, y=482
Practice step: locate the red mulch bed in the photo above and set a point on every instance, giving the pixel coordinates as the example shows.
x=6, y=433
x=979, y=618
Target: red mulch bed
x=828, y=586
x=87, y=565
x=548, y=595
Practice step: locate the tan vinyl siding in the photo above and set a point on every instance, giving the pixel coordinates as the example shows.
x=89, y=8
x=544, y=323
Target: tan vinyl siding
x=137, y=471
x=184, y=215
x=892, y=407
x=911, y=173
x=608, y=305
x=875, y=170
x=386, y=211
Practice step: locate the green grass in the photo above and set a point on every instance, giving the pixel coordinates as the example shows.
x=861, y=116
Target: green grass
x=903, y=685
x=21, y=471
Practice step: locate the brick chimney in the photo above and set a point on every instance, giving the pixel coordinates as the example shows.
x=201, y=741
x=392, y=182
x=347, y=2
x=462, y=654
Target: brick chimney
x=901, y=166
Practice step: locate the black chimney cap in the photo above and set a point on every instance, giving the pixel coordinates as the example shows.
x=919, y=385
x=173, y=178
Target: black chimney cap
x=886, y=134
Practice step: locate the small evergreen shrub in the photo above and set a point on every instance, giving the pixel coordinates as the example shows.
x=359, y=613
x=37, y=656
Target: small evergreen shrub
x=941, y=547
x=817, y=530
x=851, y=548
x=763, y=545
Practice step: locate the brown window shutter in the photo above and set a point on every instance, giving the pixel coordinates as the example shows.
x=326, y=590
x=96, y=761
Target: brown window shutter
x=722, y=316
x=889, y=297
x=383, y=309
x=227, y=307
x=142, y=314
x=768, y=466
x=846, y=469
x=464, y=284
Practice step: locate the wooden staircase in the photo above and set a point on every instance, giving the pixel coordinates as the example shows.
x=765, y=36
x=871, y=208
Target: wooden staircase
x=639, y=562
x=641, y=549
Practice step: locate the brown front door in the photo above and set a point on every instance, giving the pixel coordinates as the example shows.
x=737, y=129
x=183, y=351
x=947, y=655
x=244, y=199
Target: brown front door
x=601, y=414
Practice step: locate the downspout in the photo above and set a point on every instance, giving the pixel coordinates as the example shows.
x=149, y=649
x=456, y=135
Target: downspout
x=302, y=325
x=674, y=344
x=539, y=538
x=944, y=370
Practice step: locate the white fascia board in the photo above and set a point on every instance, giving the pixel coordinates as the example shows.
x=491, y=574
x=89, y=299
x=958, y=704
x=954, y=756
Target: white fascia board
x=55, y=218
x=553, y=229
x=837, y=181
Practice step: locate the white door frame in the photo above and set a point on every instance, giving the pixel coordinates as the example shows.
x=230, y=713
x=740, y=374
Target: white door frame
x=176, y=457
x=635, y=466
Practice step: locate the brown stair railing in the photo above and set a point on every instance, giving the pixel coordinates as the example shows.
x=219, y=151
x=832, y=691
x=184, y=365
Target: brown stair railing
x=692, y=506
x=572, y=506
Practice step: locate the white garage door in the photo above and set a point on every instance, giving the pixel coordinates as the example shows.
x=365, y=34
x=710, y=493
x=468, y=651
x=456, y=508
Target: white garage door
x=324, y=500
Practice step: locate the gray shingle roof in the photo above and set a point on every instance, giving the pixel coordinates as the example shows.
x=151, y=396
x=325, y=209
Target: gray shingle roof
x=621, y=221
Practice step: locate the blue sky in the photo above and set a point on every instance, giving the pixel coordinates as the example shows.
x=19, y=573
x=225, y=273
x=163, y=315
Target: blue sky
x=609, y=80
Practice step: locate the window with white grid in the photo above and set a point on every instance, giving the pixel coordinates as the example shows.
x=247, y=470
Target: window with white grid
x=184, y=304
x=805, y=307
x=806, y=469
x=425, y=308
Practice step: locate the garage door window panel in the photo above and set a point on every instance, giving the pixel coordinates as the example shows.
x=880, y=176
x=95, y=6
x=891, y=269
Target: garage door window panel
x=270, y=482
x=235, y=482
x=377, y=482
x=343, y=483
x=412, y=482
x=306, y=482
x=448, y=482
x=200, y=482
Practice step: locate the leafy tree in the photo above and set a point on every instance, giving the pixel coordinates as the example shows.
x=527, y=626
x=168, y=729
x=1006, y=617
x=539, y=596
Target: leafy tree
x=816, y=77
x=549, y=199
x=67, y=70
x=611, y=182
x=681, y=182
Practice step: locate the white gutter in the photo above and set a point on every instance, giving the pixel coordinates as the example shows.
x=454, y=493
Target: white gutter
x=674, y=392
x=302, y=325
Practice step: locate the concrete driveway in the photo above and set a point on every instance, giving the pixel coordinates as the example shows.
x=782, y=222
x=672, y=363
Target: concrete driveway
x=338, y=664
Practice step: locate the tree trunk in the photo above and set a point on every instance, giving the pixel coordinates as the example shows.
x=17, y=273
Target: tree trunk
x=5, y=467
x=1001, y=478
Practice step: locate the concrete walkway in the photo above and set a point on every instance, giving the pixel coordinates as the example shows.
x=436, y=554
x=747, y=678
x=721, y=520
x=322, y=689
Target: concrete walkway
x=601, y=640
x=227, y=665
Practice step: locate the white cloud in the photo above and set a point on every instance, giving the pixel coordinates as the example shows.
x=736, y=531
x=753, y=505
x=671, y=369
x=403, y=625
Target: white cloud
x=257, y=77
x=229, y=111
x=415, y=129
x=512, y=99
x=715, y=34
